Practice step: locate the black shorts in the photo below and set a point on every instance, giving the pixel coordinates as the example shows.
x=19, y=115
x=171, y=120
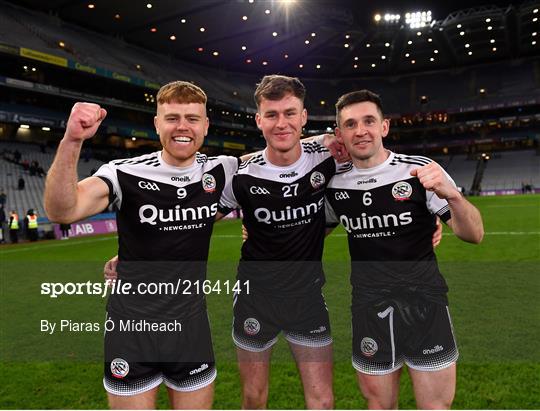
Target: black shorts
x=395, y=331
x=139, y=360
x=259, y=318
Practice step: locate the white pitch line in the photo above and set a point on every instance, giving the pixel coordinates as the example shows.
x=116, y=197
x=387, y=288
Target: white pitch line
x=508, y=233
x=15, y=250
x=62, y=244
x=512, y=206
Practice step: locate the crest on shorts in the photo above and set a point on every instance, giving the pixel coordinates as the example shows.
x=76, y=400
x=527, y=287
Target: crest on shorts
x=317, y=179
x=208, y=183
x=368, y=346
x=252, y=326
x=119, y=368
x=402, y=191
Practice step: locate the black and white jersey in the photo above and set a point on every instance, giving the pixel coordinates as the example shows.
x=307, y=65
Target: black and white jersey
x=283, y=211
x=165, y=216
x=390, y=219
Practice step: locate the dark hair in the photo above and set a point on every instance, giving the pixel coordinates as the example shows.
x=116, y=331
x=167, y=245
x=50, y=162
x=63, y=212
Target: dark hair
x=354, y=97
x=275, y=87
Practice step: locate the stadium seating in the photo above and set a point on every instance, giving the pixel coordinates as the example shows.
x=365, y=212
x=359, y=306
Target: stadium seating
x=446, y=91
x=32, y=194
x=462, y=170
x=510, y=169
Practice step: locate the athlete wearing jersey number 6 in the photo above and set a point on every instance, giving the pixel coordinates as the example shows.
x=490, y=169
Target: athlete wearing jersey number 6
x=166, y=205
x=387, y=203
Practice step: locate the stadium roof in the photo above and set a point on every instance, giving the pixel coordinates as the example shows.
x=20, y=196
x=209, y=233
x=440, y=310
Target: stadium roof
x=314, y=38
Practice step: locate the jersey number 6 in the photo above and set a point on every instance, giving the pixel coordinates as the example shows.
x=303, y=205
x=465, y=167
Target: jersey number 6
x=366, y=199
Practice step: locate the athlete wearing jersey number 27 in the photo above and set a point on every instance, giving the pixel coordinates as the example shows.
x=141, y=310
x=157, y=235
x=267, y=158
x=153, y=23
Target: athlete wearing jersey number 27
x=166, y=205
x=386, y=203
x=281, y=193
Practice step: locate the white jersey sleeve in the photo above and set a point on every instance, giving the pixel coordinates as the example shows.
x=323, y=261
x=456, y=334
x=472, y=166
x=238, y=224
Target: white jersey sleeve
x=228, y=200
x=108, y=172
x=437, y=205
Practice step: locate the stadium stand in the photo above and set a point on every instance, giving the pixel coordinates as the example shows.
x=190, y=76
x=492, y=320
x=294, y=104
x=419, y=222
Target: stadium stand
x=510, y=170
x=462, y=169
x=451, y=90
x=32, y=194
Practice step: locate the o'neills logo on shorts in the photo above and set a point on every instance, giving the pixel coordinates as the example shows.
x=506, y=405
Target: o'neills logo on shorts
x=119, y=368
x=252, y=326
x=433, y=350
x=198, y=370
x=368, y=346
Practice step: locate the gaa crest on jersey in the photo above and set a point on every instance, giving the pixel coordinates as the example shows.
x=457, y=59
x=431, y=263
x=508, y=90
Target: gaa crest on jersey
x=368, y=346
x=208, y=183
x=317, y=179
x=402, y=191
x=252, y=326
x=119, y=368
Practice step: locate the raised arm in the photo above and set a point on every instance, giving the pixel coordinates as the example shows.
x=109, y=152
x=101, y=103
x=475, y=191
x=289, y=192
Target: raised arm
x=466, y=221
x=67, y=200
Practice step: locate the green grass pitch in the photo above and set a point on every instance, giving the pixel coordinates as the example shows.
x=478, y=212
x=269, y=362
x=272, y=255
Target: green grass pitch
x=493, y=296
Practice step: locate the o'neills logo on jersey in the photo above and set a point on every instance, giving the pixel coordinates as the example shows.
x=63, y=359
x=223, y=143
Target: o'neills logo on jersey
x=370, y=181
x=264, y=215
x=183, y=179
x=208, y=183
x=402, y=191
x=366, y=222
x=317, y=179
x=288, y=175
x=150, y=214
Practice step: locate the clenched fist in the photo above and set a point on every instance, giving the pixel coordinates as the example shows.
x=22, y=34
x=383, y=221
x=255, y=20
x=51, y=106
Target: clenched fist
x=84, y=120
x=433, y=178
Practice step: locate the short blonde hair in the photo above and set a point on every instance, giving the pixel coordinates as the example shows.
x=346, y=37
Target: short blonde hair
x=181, y=92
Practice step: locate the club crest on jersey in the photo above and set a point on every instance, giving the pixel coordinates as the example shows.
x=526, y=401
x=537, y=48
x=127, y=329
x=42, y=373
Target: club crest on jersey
x=119, y=368
x=252, y=326
x=317, y=179
x=208, y=183
x=368, y=346
x=402, y=191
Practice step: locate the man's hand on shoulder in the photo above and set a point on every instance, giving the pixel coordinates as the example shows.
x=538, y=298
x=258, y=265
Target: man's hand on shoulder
x=337, y=149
